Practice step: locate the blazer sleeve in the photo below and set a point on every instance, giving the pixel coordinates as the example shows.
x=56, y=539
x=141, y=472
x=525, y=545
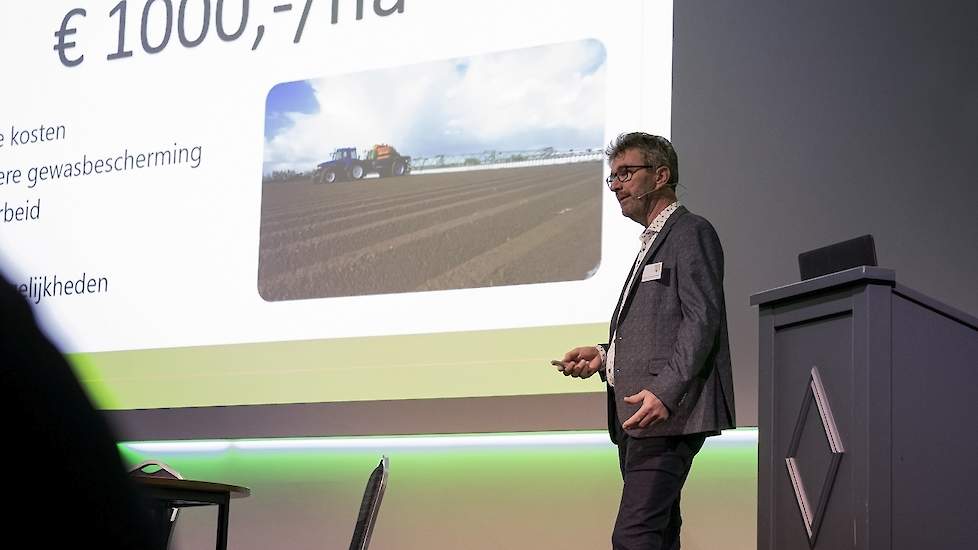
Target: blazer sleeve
x=699, y=279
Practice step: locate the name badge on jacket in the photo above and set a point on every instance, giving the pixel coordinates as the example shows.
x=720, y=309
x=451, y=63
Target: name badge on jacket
x=652, y=272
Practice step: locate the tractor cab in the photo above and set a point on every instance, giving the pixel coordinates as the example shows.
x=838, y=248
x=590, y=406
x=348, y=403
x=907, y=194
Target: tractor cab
x=346, y=153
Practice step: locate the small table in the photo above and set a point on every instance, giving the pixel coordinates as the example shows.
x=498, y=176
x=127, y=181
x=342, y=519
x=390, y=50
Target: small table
x=185, y=493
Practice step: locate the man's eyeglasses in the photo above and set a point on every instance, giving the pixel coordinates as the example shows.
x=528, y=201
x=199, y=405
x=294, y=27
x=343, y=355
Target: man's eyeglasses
x=625, y=173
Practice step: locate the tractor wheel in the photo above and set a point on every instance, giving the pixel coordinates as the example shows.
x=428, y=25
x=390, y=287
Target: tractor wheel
x=356, y=171
x=329, y=176
x=398, y=168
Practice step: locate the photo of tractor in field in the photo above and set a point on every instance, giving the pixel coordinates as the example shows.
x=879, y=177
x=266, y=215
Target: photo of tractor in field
x=347, y=164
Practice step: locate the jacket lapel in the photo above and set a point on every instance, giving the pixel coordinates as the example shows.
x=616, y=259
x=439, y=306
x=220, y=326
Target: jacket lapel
x=627, y=294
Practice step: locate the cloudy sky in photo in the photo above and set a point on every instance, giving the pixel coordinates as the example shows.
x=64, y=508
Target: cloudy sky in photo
x=546, y=96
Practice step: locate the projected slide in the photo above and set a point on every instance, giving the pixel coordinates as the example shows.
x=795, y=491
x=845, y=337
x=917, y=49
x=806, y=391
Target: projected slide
x=220, y=202
x=482, y=189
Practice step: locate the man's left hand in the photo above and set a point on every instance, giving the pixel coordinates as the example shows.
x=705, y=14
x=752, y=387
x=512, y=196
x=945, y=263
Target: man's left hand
x=651, y=412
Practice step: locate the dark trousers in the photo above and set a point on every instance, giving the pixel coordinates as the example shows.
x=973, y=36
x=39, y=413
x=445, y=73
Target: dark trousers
x=654, y=470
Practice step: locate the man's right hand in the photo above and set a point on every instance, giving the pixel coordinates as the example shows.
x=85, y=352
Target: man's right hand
x=581, y=362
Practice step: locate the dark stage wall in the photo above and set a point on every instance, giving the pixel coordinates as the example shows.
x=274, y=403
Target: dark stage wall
x=800, y=124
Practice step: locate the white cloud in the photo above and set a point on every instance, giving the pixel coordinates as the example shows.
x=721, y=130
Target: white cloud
x=530, y=98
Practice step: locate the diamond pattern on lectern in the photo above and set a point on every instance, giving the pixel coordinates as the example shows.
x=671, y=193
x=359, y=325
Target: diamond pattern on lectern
x=814, y=455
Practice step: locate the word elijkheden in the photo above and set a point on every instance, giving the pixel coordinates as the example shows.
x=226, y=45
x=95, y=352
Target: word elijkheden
x=44, y=286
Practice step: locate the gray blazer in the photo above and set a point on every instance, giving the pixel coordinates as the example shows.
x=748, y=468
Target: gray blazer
x=671, y=335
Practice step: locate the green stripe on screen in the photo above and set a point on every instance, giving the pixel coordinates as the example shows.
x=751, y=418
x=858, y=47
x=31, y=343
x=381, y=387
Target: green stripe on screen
x=457, y=364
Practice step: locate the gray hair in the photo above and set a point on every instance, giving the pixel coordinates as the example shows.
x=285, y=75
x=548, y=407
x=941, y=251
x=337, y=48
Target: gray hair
x=656, y=150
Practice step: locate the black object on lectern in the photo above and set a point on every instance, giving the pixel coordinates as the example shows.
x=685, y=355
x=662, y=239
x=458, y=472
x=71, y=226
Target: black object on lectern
x=837, y=257
x=866, y=417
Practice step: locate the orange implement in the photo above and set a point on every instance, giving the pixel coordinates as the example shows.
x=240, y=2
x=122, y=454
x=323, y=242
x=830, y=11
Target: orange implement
x=383, y=150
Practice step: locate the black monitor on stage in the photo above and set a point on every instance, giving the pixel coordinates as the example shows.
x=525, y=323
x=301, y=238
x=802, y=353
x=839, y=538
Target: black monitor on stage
x=837, y=257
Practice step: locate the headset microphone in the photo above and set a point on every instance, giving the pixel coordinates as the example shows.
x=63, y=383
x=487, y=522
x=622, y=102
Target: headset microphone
x=649, y=192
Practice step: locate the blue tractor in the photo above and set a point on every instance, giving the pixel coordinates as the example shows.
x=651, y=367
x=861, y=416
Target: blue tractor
x=346, y=164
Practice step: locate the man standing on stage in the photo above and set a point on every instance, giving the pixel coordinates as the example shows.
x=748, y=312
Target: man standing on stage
x=667, y=360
